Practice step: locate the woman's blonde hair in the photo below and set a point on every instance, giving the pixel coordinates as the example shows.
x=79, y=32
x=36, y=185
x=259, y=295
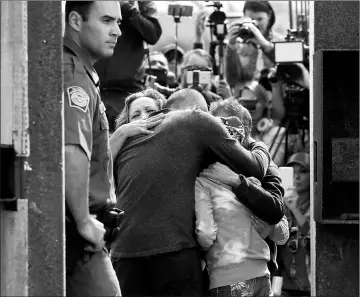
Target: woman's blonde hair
x=123, y=118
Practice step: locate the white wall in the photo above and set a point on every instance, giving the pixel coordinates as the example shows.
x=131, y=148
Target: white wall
x=6, y=78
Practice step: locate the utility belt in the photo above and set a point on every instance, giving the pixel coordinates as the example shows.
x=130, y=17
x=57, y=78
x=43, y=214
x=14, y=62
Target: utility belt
x=111, y=218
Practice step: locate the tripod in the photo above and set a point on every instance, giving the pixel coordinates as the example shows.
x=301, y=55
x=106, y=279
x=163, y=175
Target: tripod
x=293, y=124
x=177, y=19
x=217, y=24
x=220, y=70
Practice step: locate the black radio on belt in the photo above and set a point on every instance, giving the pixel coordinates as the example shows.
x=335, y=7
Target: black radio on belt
x=111, y=218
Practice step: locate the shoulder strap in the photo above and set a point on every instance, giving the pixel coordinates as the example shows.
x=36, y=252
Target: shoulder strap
x=88, y=72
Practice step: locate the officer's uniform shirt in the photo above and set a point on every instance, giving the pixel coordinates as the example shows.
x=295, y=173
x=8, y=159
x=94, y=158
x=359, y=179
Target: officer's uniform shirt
x=86, y=124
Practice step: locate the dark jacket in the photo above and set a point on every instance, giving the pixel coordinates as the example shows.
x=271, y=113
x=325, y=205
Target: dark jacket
x=119, y=71
x=266, y=202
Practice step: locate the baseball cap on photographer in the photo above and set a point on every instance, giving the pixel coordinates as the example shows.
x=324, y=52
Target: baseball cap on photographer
x=169, y=52
x=303, y=159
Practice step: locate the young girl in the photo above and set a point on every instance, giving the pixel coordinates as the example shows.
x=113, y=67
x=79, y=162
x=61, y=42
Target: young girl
x=237, y=254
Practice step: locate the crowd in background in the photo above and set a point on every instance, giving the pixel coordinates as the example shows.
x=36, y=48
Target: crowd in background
x=140, y=89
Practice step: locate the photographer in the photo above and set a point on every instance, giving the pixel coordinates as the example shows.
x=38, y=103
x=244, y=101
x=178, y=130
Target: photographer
x=219, y=86
x=169, y=52
x=293, y=108
x=196, y=60
x=294, y=256
x=118, y=73
x=157, y=65
x=246, y=57
x=257, y=99
x=273, y=108
x=300, y=76
x=199, y=59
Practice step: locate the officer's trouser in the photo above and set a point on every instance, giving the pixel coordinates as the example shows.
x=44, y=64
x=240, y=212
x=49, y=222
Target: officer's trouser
x=88, y=274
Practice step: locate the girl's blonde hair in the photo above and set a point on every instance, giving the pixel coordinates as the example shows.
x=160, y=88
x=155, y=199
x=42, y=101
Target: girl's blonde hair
x=234, y=108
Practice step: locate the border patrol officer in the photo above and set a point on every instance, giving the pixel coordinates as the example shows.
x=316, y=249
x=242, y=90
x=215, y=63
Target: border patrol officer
x=139, y=27
x=92, y=29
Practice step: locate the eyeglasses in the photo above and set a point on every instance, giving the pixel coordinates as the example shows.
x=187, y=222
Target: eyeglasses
x=193, y=68
x=235, y=130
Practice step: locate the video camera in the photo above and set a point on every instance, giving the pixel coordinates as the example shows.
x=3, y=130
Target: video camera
x=288, y=54
x=291, y=51
x=217, y=21
x=218, y=27
x=294, y=49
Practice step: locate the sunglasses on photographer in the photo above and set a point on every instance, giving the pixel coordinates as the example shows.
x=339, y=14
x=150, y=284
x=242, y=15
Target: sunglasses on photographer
x=194, y=68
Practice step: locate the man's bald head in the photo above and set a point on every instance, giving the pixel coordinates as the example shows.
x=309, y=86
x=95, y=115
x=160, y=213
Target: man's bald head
x=187, y=99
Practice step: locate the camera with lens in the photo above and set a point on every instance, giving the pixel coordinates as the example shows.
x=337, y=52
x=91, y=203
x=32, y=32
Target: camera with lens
x=297, y=240
x=245, y=32
x=161, y=75
x=293, y=242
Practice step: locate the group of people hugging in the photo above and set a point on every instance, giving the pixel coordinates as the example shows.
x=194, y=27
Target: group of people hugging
x=196, y=173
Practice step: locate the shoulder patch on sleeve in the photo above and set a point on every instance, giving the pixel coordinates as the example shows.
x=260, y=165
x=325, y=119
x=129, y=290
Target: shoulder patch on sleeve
x=78, y=98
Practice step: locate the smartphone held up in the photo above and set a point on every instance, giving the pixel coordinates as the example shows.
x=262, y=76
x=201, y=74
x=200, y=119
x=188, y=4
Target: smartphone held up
x=197, y=77
x=177, y=10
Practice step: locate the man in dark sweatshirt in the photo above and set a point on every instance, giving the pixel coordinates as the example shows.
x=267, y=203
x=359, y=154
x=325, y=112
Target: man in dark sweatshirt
x=118, y=74
x=156, y=250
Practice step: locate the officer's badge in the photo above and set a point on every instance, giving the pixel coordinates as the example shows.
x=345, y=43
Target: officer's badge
x=78, y=98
